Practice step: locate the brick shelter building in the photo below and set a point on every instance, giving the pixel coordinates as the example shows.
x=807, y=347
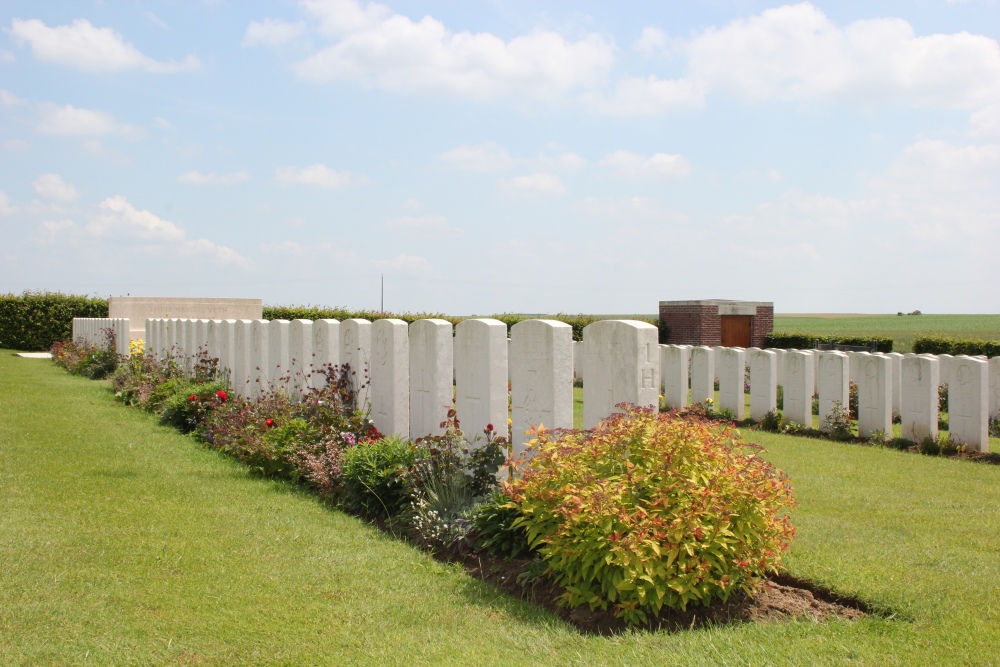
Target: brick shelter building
x=717, y=322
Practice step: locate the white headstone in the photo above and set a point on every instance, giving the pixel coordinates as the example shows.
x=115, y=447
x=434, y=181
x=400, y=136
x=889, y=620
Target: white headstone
x=277, y=354
x=780, y=354
x=150, y=341
x=716, y=358
x=968, y=412
x=258, y=362
x=244, y=365
x=201, y=338
x=325, y=351
x=798, y=387
x=212, y=339
x=355, y=351
x=481, y=376
x=897, y=383
x=577, y=360
x=190, y=328
x=874, y=395
x=944, y=367
x=431, y=372
x=541, y=382
x=834, y=384
x=919, y=398
x=390, y=377
x=732, y=364
x=856, y=361
x=702, y=374
x=225, y=332
x=621, y=365
x=763, y=383
x=675, y=362
x=300, y=355
x=994, y=400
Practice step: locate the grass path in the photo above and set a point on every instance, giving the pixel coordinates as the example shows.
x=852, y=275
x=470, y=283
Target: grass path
x=124, y=543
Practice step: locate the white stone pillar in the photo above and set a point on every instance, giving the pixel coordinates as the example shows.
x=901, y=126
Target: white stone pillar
x=968, y=412
x=763, y=383
x=717, y=359
x=919, y=398
x=481, y=375
x=190, y=344
x=675, y=361
x=834, y=384
x=201, y=340
x=431, y=372
x=150, y=337
x=541, y=382
x=258, y=362
x=390, y=377
x=702, y=374
x=225, y=331
x=621, y=365
x=325, y=351
x=780, y=364
x=897, y=383
x=355, y=350
x=300, y=340
x=798, y=387
x=857, y=361
x=944, y=368
x=732, y=363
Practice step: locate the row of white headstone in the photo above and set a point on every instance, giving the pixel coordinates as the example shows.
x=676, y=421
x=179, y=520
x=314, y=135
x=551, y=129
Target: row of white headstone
x=409, y=374
x=892, y=384
x=95, y=331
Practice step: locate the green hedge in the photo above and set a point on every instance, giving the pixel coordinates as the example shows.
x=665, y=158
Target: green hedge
x=803, y=341
x=35, y=320
x=950, y=345
x=578, y=322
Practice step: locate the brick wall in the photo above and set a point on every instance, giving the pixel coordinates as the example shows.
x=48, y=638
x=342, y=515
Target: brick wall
x=692, y=325
x=763, y=324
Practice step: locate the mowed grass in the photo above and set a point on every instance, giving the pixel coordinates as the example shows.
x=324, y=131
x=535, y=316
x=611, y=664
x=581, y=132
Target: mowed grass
x=902, y=330
x=124, y=543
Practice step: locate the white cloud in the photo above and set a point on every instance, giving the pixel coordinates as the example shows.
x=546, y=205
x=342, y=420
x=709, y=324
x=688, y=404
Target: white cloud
x=218, y=253
x=774, y=175
x=628, y=207
x=423, y=224
x=271, y=32
x=53, y=188
x=407, y=264
x=8, y=99
x=119, y=218
x=317, y=175
x=534, y=184
x=985, y=123
x=651, y=40
x=638, y=167
x=50, y=230
x=638, y=96
x=485, y=157
x=71, y=121
x=381, y=49
x=156, y=20
x=6, y=56
x=796, y=52
x=86, y=47
x=212, y=178
x=6, y=208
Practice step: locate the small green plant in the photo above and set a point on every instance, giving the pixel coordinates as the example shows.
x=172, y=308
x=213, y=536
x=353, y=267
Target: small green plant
x=374, y=484
x=878, y=438
x=652, y=510
x=771, y=421
x=943, y=398
x=852, y=400
x=495, y=532
x=187, y=407
x=837, y=424
x=995, y=427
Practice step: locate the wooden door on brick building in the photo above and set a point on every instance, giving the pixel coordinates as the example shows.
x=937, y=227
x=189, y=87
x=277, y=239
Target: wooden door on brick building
x=736, y=330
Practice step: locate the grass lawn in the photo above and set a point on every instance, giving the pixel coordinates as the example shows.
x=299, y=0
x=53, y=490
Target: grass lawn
x=902, y=330
x=122, y=542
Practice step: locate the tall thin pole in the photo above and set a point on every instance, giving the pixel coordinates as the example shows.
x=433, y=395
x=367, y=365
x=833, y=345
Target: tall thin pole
x=382, y=307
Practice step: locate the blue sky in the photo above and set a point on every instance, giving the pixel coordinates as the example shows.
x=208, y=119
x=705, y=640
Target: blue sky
x=505, y=156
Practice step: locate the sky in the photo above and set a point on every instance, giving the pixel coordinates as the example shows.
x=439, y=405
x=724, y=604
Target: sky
x=505, y=156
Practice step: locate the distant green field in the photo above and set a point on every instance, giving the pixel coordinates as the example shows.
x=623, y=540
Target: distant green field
x=901, y=329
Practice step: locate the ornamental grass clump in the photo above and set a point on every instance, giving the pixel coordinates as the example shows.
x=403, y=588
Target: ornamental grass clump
x=650, y=511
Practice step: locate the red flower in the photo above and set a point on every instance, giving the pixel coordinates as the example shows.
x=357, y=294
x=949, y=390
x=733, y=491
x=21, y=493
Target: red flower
x=489, y=428
x=222, y=395
x=193, y=398
x=268, y=422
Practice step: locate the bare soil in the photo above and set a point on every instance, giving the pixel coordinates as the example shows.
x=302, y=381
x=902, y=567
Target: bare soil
x=781, y=598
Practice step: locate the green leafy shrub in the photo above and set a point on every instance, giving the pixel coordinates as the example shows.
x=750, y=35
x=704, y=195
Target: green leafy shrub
x=189, y=403
x=796, y=340
x=495, y=532
x=36, y=320
x=91, y=361
x=837, y=424
x=374, y=484
x=652, y=510
x=771, y=421
x=952, y=345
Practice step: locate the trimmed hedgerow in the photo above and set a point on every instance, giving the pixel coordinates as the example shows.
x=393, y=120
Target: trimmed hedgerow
x=797, y=340
x=951, y=345
x=652, y=510
x=36, y=320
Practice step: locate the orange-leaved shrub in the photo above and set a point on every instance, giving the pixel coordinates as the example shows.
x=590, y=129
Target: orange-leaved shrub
x=652, y=510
